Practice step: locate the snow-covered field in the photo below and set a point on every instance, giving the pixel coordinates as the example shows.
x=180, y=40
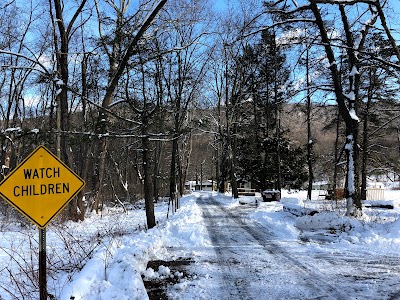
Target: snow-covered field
x=105, y=257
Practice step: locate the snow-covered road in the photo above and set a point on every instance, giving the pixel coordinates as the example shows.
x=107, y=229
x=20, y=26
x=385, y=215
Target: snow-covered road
x=212, y=248
x=249, y=261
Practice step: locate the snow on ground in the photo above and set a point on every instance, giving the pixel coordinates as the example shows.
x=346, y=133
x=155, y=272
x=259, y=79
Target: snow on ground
x=116, y=268
x=105, y=257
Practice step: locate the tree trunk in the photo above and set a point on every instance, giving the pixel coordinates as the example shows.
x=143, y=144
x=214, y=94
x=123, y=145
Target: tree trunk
x=336, y=162
x=365, y=146
x=62, y=69
x=148, y=195
x=181, y=184
x=309, y=135
x=278, y=121
x=172, y=174
x=233, y=146
x=102, y=145
x=156, y=180
x=188, y=154
x=216, y=160
x=84, y=174
x=62, y=53
x=348, y=114
x=223, y=166
x=220, y=151
x=278, y=153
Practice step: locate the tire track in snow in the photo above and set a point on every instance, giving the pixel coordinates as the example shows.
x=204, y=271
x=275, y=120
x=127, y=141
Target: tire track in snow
x=234, y=273
x=250, y=259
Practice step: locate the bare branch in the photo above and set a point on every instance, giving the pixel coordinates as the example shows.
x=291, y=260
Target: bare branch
x=44, y=69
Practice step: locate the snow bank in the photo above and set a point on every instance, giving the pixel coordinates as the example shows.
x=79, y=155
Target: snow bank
x=116, y=268
x=327, y=221
x=292, y=200
x=378, y=230
x=185, y=228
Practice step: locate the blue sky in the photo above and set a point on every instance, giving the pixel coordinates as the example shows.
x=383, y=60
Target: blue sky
x=220, y=4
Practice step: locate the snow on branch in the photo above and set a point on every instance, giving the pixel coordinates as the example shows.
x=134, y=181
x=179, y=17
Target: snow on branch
x=276, y=24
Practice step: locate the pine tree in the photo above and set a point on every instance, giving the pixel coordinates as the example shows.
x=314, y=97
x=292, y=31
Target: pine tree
x=264, y=154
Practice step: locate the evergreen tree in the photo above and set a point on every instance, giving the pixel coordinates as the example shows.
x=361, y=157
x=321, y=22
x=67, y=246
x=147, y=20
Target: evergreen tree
x=264, y=154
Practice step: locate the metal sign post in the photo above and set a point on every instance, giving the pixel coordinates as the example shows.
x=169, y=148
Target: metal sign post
x=42, y=264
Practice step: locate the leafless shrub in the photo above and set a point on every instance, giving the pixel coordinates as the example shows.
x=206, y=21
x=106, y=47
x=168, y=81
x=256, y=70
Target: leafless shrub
x=19, y=269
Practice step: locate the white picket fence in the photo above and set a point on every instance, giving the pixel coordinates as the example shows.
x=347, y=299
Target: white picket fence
x=375, y=194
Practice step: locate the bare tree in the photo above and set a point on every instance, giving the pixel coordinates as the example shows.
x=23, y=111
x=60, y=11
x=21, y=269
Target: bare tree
x=347, y=95
x=119, y=56
x=185, y=68
x=62, y=39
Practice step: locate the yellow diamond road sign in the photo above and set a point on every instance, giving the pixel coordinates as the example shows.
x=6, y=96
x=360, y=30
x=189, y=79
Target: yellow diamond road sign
x=41, y=186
